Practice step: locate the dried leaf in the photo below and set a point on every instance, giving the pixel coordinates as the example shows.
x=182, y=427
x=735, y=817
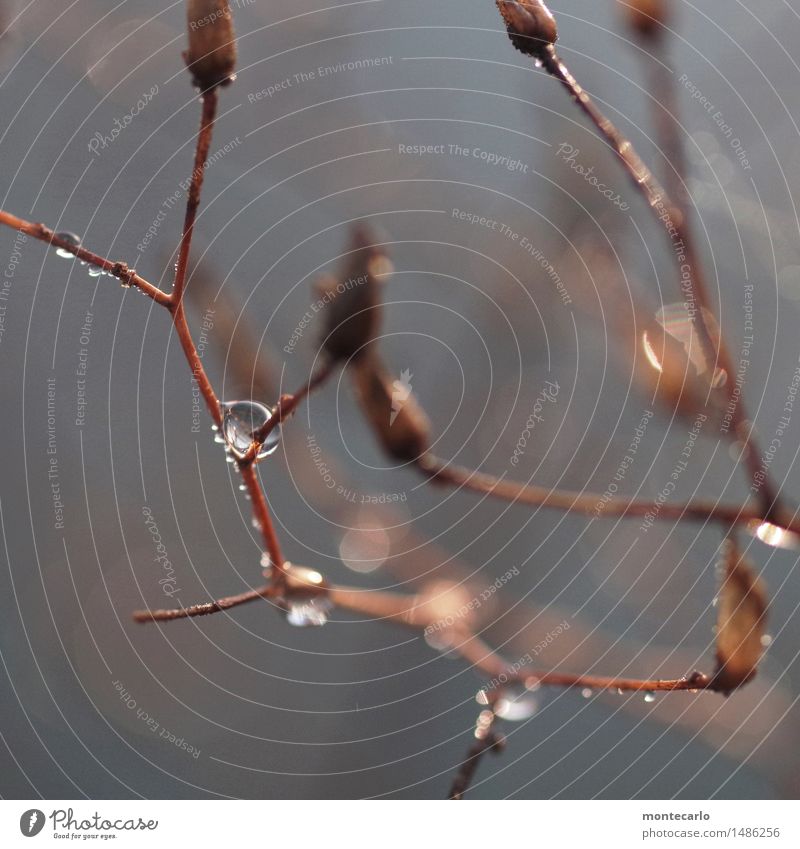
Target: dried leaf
x=741, y=617
x=392, y=411
x=352, y=304
x=530, y=24
x=211, y=57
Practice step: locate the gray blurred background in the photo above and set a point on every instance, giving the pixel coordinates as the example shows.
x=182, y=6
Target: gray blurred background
x=242, y=704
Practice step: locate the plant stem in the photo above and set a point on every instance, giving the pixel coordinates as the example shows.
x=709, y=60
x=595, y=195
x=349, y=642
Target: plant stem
x=265, y=525
x=673, y=218
x=119, y=270
x=206, y=609
x=486, y=739
x=287, y=404
x=208, y=113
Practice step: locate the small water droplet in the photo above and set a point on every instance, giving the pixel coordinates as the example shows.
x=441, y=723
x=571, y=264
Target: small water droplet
x=774, y=535
x=620, y=691
x=679, y=337
x=482, y=697
x=95, y=271
x=72, y=239
x=240, y=420
x=266, y=563
x=649, y=697
x=242, y=487
x=766, y=641
x=587, y=692
x=516, y=703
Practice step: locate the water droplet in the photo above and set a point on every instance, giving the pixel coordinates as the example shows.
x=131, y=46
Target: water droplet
x=72, y=239
x=483, y=724
x=307, y=597
x=680, y=337
x=240, y=420
x=766, y=640
x=242, y=487
x=482, y=697
x=516, y=703
x=587, y=692
x=649, y=697
x=620, y=691
x=306, y=614
x=95, y=271
x=774, y=535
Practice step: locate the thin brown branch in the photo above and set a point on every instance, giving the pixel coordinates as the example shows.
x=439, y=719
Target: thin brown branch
x=693, y=683
x=264, y=519
x=672, y=217
x=120, y=270
x=267, y=591
x=596, y=505
x=287, y=404
x=208, y=114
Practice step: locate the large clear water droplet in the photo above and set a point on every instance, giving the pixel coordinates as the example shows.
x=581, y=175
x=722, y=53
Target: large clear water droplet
x=682, y=338
x=649, y=697
x=72, y=239
x=240, y=420
x=774, y=535
x=516, y=703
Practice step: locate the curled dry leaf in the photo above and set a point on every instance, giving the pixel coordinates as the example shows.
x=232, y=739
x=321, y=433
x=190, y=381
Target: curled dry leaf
x=530, y=24
x=211, y=57
x=352, y=304
x=394, y=414
x=741, y=617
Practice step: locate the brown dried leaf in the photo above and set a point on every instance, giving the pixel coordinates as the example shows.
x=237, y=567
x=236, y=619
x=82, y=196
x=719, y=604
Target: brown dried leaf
x=741, y=617
x=392, y=411
x=211, y=57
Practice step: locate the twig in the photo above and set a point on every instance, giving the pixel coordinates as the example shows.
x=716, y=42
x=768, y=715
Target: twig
x=286, y=405
x=289, y=403
x=595, y=505
x=120, y=270
x=267, y=591
x=669, y=214
x=209, y=111
x=265, y=525
x=693, y=683
x=486, y=739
